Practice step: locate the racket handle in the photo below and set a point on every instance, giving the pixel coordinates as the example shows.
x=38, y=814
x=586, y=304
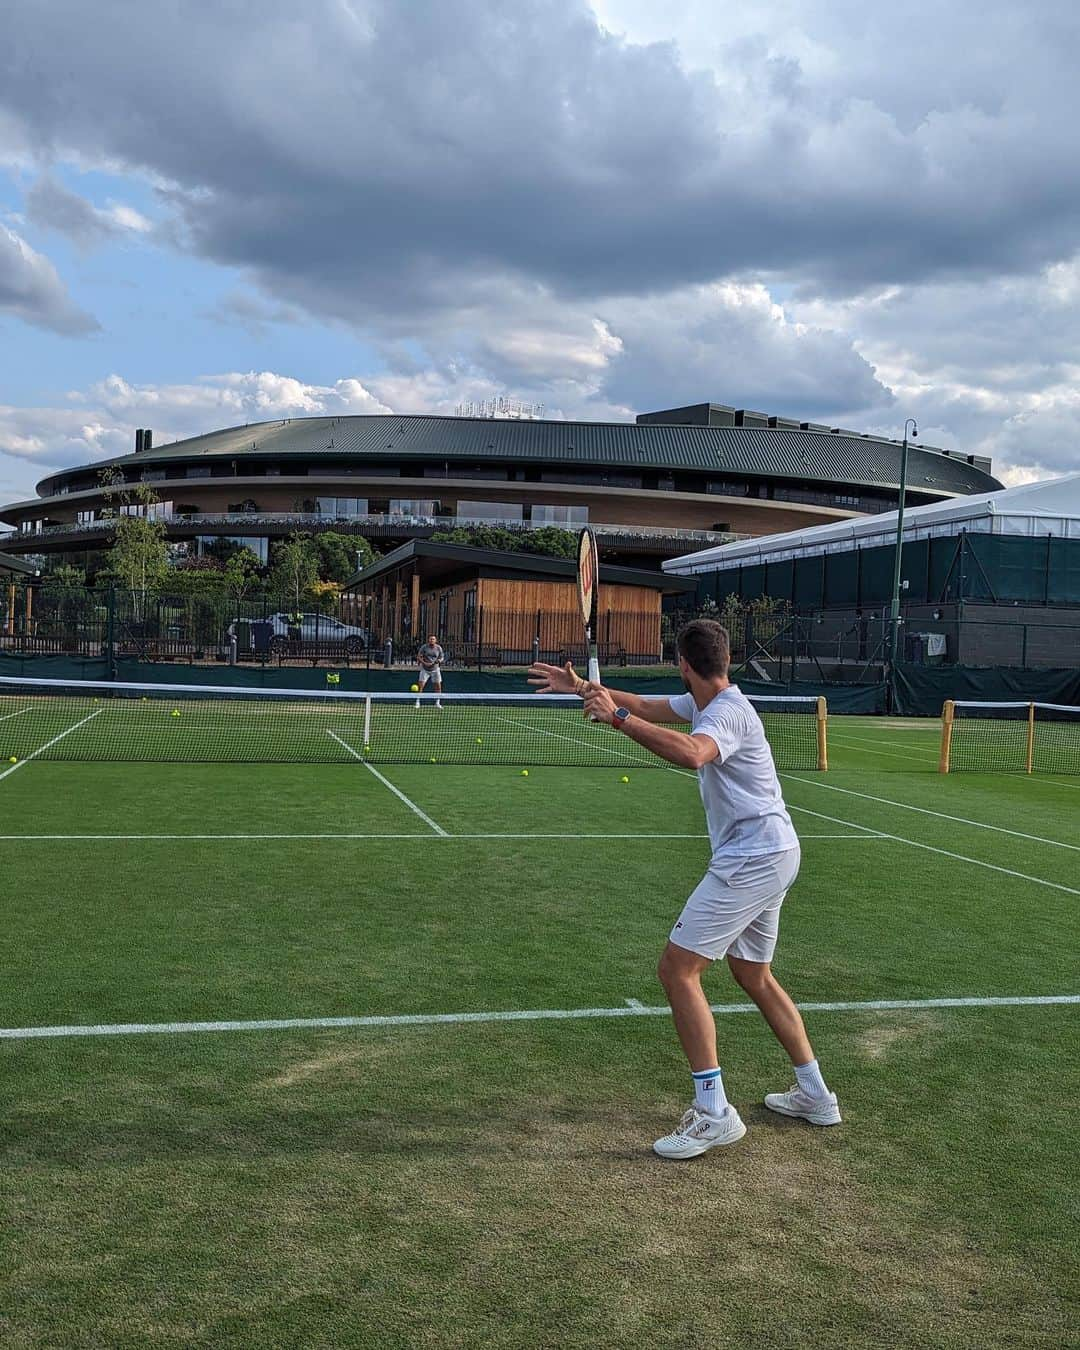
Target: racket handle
x=594, y=670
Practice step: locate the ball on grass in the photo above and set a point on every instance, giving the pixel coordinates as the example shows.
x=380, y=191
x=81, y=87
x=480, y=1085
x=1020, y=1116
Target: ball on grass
x=479, y=740
x=524, y=773
x=14, y=759
x=624, y=779
x=414, y=688
x=433, y=759
x=176, y=712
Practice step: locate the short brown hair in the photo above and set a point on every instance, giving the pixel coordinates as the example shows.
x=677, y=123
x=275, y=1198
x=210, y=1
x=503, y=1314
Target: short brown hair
x=703, y=644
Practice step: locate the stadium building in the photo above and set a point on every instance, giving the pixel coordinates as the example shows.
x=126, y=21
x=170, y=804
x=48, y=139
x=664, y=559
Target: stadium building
x=670, y=483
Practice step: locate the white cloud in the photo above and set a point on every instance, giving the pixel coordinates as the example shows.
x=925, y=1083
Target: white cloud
x=31, y=289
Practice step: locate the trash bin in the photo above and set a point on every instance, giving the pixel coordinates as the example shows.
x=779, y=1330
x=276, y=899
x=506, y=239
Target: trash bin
x=261, y=632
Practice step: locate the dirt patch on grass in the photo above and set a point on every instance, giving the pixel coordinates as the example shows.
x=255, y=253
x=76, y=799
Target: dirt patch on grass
x=878, y=1039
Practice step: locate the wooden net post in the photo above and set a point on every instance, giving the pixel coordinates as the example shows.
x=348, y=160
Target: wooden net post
x=822, y=735
x=948, y=711
x=1031, y=737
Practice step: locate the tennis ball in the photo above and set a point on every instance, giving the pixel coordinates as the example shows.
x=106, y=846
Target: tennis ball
x=176, y=712
x=433, y=759
x=414, y=688
x=624, y=779
x=524, y=773
x=366, y=749
x=14, y=759
x=479, y=740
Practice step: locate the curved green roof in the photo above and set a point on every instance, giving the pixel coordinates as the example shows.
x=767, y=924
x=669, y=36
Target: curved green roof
x=766, y=452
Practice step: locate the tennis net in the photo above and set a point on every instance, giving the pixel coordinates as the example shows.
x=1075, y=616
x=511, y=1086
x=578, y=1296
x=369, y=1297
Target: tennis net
x=103, y=720
x=1010, y=737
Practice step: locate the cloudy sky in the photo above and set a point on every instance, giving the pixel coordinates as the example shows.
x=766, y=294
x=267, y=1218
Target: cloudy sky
x=218, y=213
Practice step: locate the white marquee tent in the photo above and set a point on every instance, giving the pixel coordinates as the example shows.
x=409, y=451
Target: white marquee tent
x=1049, y=507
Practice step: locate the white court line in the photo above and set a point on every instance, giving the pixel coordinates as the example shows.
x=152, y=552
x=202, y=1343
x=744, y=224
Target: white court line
x=941, y=815
x=387, y=783
x=575, y=740
x=42, y=748
x=149, y=838
x=629, y=1009
x=945, y=853
x=14, y=714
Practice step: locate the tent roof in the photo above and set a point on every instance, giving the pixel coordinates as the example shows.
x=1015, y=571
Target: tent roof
x=1048, y=507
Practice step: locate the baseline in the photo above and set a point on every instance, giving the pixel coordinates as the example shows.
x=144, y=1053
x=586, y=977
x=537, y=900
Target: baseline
x=631, y=1008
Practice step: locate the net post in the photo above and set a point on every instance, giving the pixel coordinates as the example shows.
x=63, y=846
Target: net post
x=948, y=711
x=822, y=735
x=1030, y=757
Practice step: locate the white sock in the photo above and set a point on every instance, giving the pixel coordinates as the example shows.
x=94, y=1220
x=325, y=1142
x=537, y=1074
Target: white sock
x=809, y=1078
x=709, y=1092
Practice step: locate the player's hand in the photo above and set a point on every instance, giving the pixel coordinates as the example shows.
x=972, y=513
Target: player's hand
x=553, y=679
x=599, y=704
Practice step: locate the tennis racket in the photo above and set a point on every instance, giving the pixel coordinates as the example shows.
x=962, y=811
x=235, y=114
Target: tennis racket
x=588, y=578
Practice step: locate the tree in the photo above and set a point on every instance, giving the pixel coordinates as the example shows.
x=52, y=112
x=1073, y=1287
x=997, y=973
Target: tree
x=241, y=573
x=342, y=555
x=139, y=557
x=294, y=570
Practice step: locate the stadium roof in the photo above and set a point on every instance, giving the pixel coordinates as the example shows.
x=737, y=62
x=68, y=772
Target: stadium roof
x=10, y=564
x=765, y=451
x=1050, y=507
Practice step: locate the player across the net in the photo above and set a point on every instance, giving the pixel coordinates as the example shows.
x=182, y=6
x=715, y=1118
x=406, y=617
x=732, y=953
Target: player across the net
x=119, y=721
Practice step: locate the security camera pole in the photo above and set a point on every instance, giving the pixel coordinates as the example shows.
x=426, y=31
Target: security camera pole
x=894, y=624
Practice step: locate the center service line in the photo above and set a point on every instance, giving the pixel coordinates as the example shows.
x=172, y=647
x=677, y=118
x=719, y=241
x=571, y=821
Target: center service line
x=630, y=1009
x=387, y=783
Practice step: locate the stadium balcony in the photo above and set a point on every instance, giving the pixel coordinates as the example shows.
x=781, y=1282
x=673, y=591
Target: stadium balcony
x=380, y=529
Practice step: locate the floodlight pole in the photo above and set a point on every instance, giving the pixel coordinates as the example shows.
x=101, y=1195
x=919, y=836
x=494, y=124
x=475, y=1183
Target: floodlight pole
x=894, y=621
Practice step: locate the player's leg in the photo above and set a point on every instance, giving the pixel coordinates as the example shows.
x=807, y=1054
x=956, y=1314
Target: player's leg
x=711, y=918
x=436, y=687
x=422, y=678
x=749, y=959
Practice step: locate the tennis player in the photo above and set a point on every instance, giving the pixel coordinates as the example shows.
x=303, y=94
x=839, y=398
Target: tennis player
x=735, y=910
x=430, y=658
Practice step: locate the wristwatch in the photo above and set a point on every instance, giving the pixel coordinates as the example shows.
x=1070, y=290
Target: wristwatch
x=622, y=716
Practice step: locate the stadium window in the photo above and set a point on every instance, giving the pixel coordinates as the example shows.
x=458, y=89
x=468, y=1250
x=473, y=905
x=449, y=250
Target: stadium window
x=413, y=506
x=490, y=511
x=559, y=515
x=198, y=471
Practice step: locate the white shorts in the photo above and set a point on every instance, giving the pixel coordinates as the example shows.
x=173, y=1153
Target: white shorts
x=435, y=676
x=735, y=908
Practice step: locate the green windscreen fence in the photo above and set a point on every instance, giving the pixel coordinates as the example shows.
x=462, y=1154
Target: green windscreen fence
x=989, y=567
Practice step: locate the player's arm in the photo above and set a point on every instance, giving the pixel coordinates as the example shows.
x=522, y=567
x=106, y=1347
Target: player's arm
x=677, y=747
x=565, y=680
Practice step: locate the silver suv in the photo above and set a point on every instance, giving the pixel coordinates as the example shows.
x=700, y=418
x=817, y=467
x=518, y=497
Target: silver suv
x=321, y=630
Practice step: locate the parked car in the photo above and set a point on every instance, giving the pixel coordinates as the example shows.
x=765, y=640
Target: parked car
x=321, y=630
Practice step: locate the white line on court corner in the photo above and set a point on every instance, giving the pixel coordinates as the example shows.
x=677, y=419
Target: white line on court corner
x=134, y=838
x=941, y=815
x=630, y=1009
x=19, y=713
x=387, y=783
x=42, y=748
x=945, y=853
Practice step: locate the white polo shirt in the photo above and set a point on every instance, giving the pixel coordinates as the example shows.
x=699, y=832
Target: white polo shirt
x=744, y=807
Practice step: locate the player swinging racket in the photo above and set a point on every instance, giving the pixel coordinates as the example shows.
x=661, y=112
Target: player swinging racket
x=734, y=912
x=429, y=658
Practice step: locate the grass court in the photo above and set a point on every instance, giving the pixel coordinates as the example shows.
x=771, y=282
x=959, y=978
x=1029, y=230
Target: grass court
x=424, y=1177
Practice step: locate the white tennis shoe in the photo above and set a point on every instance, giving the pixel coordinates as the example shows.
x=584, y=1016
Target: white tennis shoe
x=699, y=1131
x=796, y=1102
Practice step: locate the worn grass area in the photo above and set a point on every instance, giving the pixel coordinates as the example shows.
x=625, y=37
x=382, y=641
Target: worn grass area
x=492, y=1184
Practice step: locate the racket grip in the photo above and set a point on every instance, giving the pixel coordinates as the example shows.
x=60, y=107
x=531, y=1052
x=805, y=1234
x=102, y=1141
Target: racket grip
x=594, y=678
